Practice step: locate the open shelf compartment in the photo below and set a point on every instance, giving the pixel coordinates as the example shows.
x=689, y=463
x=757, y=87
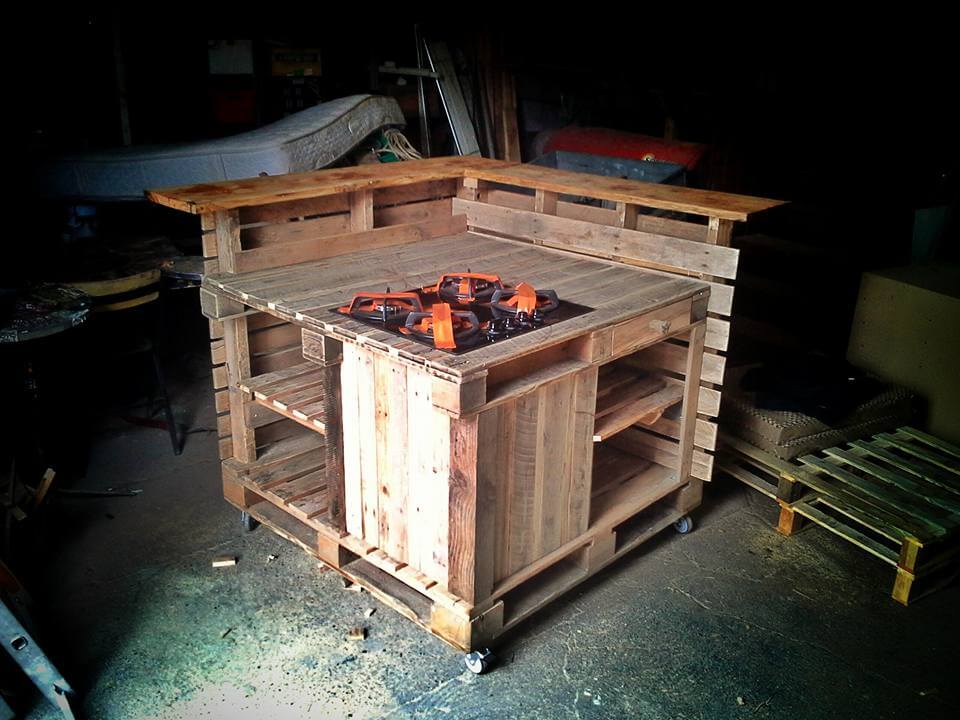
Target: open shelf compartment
x=295, y=392
x=626, y=397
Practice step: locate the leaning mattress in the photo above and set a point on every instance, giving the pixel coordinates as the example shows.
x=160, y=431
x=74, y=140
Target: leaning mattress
x=310, y=139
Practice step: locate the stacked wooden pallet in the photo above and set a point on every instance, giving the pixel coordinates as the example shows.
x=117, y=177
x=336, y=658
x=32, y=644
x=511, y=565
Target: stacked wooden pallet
x=895, y=495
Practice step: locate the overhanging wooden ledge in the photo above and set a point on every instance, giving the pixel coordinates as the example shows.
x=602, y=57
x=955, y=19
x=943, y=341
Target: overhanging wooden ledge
x=232, y=194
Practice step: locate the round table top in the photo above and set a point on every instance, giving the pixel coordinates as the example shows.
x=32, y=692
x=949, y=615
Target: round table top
x=42, y=310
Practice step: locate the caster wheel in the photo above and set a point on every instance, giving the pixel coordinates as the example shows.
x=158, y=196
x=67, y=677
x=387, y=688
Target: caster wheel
x=683, y=525
x=248, y=522
x=479, y=661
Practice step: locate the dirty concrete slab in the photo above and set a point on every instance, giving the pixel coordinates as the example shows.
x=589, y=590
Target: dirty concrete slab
x=730, y=621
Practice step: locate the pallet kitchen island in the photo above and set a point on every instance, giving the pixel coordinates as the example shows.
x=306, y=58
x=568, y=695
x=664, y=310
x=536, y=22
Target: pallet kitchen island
x=465, y=490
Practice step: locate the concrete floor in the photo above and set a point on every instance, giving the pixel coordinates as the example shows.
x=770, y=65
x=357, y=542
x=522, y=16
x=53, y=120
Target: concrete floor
x=731, y=621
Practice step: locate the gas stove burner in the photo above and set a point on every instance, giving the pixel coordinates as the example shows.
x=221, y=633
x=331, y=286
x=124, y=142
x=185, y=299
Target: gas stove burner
x=447, y=329
x=523, y=303
x=462, y=312
x=467, y=288
x=389, y=308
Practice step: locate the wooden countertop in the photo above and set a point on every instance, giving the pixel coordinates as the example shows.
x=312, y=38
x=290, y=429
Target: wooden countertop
x=306, y=293
x=233, y=194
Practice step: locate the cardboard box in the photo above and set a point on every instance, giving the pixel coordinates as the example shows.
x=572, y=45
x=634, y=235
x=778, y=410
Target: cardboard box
x=906, y=330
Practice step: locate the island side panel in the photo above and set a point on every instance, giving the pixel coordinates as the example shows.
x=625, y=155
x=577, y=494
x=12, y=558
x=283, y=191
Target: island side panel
x=536, y=453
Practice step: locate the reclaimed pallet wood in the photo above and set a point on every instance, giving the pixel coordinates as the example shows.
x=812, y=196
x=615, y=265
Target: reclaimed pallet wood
x=895, y=495
x=466, y=491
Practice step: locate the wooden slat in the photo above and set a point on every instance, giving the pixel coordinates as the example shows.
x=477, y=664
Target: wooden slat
x=230, y=194
x=637, y=410
x=661, y=250
x=291, y=253
x=603, y=216
x=807, y=509
x=665, y=197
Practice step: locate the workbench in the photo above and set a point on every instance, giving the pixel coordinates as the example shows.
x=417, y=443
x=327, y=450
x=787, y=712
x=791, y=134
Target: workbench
x=465, y=490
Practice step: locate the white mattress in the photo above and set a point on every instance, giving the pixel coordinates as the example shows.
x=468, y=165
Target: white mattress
x=310, y=139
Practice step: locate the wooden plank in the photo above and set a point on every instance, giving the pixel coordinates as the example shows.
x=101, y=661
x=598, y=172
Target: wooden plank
x=691, y=395
x=412, y=213
x=672, y=356
x=414, y=193
x=554, y=480
x=718, y=334
x=603, y=216
x=428, y=458
x=361, y=210
x=928, y=472
x=930, y=493
x=662, y=250
x=273, y=338
x=808, y=509
x=637, y=411
x=470, y=575
x=390, y=396
x=283, y=212
x=661, y=451
x=350, y=432
x=638, y=387
x=665, y=197
x=230, y=194
x=527, y=458
x=545, y=201
x=580, y=450
x=934, y=442
x=266, y=235
x=369, y=469
x=333, y=245
x=902, y=504
x=238, y=367
x=933, y=458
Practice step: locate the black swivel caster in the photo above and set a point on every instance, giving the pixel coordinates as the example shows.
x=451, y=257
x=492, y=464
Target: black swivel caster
x=248, y=522
x=683, y=525
x=479, y=661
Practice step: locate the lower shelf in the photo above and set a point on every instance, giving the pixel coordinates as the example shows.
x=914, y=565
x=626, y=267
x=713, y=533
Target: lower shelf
x=295, y=392
x=290, y=474
x=630, y=484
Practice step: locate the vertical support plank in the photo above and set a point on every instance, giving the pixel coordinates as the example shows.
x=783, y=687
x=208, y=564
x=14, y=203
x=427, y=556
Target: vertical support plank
x=236, y=342
x=468, y=188
x=557, y=433
x=228, y=239
x=390, y=393
x=906, y=570
x=366, y=423
x=333, y=447
x=691, y=393
x=495, y=460
x=581, y=454
x=428, y=462
x=238, y=366
x=471, y=548
x=545, y=201
x=690, y=496
x=523, y=515
x=350, y=432
x=719, y=231
x=361, y=210
x=627, y=215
